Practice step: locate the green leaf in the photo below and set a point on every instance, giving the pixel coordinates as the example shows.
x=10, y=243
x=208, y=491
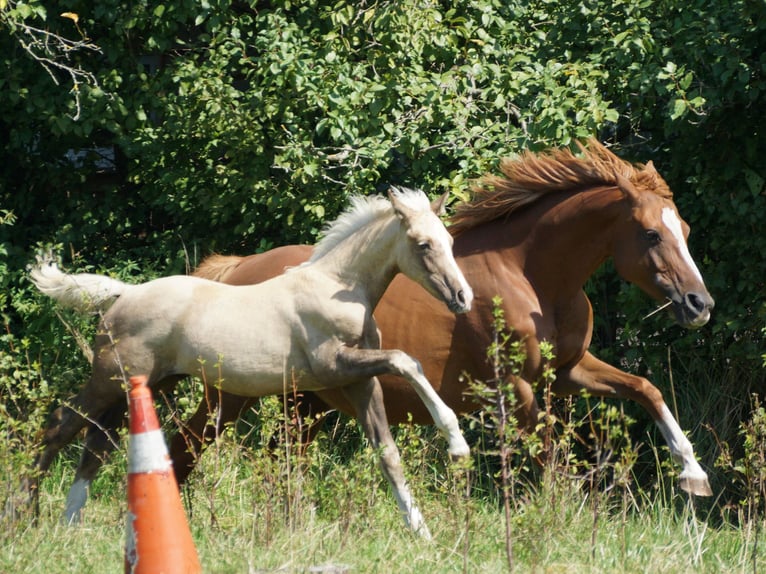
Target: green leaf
x=679, y=109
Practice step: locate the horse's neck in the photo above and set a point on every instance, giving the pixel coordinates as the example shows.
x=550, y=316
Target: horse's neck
x=574, y=234
x=566, y=235
x=365, y=261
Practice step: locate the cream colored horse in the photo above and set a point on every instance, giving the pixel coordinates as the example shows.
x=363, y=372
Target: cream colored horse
x=311, y=328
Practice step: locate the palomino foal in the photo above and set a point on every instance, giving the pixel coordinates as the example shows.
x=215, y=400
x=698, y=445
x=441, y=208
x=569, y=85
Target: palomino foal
x=312, y=327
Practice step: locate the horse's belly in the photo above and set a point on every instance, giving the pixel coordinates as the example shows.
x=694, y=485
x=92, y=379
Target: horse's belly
x=260, y=369
x=259, y=385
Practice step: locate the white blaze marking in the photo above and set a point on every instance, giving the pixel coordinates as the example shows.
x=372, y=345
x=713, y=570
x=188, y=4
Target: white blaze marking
x=671, y=221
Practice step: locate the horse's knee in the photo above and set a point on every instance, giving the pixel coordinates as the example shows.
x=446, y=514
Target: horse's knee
x=55, y=421
x=63, y=424
x=404, y=364
x=650, y=397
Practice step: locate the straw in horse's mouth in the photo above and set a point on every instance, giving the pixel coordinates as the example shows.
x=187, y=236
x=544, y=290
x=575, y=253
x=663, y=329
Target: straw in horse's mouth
x=658, y=309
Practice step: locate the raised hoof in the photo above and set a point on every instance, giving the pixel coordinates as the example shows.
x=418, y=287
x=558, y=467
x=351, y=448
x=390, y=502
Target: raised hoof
x=696, y=485
x=459, y=455
x=458, y=449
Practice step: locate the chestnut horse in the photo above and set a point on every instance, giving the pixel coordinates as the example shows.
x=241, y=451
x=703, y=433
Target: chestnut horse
x=311, y=329
x=533, y=236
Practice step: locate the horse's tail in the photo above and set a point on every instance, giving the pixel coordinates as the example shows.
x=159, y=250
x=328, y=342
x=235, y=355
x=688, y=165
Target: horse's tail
x=83, y=292
x=216, y=267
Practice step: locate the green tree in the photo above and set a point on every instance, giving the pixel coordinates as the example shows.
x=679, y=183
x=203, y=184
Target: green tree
x=175, y=129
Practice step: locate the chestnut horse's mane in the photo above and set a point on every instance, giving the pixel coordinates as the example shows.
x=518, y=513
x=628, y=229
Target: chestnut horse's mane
x=531, y=176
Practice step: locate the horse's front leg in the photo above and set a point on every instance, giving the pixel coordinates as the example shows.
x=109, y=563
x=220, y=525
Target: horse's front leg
x=374, y=362
x=367, y=399
x=603, y=380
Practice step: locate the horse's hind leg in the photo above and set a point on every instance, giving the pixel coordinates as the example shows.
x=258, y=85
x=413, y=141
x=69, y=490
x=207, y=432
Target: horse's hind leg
x=101, y=440
x=367, y=399
x=101, y=392
x=63, y=425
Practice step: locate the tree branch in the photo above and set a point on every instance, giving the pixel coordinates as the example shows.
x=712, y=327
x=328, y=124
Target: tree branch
x=53, y=52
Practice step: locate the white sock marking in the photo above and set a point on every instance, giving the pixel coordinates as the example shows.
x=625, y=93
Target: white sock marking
x=75, y=500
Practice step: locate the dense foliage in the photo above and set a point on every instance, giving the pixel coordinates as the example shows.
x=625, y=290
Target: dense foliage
x=140, y=136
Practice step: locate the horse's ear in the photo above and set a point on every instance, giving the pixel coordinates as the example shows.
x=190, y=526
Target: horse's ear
x=654, y=175
x=627, y=188
x=402, y=210
x=439, y=205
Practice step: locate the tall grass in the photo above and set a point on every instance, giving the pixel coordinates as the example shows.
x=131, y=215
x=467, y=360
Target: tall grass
x=344, y=519
x=325, y=508
x=596, y=506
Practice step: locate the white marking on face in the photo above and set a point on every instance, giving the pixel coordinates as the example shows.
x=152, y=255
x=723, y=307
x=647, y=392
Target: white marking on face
x=444, y=239
x=673, y=223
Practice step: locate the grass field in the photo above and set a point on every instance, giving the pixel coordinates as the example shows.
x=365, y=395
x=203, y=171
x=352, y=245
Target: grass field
x=328, y=510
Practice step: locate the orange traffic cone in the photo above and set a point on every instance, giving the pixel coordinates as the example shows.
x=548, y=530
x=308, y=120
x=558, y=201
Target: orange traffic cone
x=158, y=536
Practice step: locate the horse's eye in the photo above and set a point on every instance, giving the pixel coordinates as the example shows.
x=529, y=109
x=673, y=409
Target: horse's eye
x=653, y=237
x=424, y=246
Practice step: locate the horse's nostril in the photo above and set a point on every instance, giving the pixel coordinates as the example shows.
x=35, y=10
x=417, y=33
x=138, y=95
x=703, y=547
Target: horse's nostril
x=696, y=302
x=461, y=297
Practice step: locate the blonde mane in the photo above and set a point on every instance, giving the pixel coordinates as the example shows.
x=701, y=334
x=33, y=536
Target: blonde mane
x=363, y=211
x=529, y=177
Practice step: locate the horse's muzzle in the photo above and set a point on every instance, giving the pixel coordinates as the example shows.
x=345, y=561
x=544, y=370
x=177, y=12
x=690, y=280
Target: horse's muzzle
x=461, y=301
x=692, y=311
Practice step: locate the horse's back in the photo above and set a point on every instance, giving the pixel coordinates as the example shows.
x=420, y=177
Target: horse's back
x=180, y=324
x=160, y=298
x=263, y=266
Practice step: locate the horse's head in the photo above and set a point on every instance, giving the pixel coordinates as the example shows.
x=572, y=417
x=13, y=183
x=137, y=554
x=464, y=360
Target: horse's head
x=425, y=250
x=651, y=251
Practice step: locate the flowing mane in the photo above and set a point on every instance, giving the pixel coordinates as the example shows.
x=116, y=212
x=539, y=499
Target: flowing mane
x=363, y=210
x=530, y=176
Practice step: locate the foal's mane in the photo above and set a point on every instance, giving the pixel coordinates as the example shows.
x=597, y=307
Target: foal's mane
x=531, y=176
x=363, y=211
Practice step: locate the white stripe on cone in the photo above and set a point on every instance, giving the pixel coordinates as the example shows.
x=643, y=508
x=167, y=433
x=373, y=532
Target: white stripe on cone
x=147, y=452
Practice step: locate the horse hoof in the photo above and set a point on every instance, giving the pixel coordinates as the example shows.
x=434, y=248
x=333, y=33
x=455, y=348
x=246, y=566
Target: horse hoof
x=460, y=451
x=417, y=524
x=696, y=485
x=423, y=532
